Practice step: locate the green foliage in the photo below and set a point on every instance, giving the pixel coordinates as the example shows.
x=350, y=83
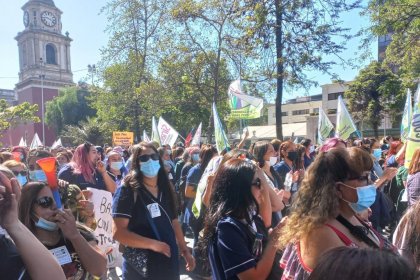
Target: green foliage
x=12, y=116
x=401, y=18
x=68, y=108
x=92, y=130
x=374, y=92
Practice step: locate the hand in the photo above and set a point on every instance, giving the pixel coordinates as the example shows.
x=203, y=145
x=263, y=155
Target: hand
x=161, y=247
x=9, y=197
x=66, y=222
x=62, y=183
x=85, y=208
x=189, y=260
x=246, y=134
x=280, y=194
x=276, y=231
x=295, y=176
x=389, y=173
x=100, y=166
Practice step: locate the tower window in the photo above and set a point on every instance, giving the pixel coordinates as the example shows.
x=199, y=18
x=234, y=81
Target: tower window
x=50, y=50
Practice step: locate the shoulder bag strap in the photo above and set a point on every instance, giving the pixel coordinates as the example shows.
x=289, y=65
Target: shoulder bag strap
x=149, y=218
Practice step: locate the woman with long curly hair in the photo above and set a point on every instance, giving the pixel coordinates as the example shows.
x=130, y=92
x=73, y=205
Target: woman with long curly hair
x=335, y=189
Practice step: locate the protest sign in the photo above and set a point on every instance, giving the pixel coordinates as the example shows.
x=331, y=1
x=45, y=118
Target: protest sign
x=122, y=138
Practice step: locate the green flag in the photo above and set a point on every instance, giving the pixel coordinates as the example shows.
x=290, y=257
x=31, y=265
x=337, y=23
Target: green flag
x=345, y=126
x=413, y=139
x=324, y=126
x=243, y=106
x=219, y=133
x=405, y=122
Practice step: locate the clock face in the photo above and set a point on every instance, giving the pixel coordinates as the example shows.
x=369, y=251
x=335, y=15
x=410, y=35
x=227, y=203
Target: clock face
x=26, y=18
x=48, y=19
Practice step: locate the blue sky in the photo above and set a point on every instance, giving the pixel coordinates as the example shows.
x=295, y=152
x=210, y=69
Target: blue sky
x=86, y=27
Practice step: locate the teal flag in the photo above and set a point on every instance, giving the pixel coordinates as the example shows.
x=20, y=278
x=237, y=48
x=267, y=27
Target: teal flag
x=345, y=125
x=406, y=119
x=219, y=133
x=324, y=126
x=155, y=132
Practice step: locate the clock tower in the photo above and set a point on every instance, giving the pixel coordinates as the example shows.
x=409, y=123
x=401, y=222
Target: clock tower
x=44, y=63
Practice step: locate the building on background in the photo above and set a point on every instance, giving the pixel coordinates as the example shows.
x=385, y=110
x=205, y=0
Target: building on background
x=44, y=65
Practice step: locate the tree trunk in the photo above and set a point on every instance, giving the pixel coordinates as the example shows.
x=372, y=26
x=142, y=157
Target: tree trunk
x=280, y=68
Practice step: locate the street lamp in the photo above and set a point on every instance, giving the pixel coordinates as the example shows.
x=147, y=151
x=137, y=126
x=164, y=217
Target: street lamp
x=42, y=77
x=92, y=71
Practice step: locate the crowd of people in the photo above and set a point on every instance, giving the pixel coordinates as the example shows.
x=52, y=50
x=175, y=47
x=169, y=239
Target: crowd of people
x=347, y=209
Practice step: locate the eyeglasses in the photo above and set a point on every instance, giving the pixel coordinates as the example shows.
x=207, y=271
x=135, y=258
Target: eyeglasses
x=23, y=173
x=144, y=158
x=257, y=183
x=45, y=201
x=365, y=177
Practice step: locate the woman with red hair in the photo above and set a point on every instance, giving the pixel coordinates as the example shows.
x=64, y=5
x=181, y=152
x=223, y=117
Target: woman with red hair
x=86, y=170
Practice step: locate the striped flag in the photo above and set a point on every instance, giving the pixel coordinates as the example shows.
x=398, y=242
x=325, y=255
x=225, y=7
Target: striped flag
x=189, y=138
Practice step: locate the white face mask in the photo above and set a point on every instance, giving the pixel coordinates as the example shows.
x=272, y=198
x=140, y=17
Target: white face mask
x=273, y=161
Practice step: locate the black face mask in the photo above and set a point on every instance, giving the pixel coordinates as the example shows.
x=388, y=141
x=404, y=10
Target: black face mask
x=292, y=155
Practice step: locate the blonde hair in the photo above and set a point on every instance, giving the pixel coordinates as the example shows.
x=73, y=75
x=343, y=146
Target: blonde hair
x=317, y=199
x=13, y=163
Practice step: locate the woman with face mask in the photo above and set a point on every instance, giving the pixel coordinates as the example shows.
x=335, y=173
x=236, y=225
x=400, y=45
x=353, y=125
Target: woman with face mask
x=74, y=245
x=19, y=170
x=336, y=188
x=288, y=155
x=144, y=212
x=265, y=158
x=115, y=166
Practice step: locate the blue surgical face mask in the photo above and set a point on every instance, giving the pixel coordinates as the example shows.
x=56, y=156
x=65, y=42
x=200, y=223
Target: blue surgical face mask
x=150, y=168
x=377, y=153
x=116, y=165
x=21, y=179
x=365, y=197
x=37, y=176
x=46, y=225
x=195, y=157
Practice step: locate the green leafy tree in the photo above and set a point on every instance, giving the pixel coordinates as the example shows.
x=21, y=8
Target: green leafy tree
x=292, y=37
x=132, y=53
x=69, y=108
x=399, y=19
x=208, y=34
x=92, y=130
x=12, y=116
x=374, y=92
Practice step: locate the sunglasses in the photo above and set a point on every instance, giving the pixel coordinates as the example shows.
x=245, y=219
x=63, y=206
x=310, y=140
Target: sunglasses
x=362, y=178
x=144, y=158
x=257, y=183
x=45, y=201
x=23, y=173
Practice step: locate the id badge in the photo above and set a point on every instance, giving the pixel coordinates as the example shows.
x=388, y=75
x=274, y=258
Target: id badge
x=154, y=210
x=61, y=254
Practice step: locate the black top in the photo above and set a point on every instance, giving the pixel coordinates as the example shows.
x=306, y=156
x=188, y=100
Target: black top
x=67, y=174
x=126, y=206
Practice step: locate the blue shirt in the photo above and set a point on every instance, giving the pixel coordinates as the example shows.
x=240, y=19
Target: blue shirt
x=194, y=176
x=67, y=174
x=282, y=169
x=230, y=253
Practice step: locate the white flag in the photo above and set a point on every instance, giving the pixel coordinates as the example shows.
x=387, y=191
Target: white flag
x=155, y=132
x=145, y=136
x=324, y=126
x=22, y=143
x=36, y=142
x=197, y=137
x=167, y=133
x=345, y=125
x=57, y=144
